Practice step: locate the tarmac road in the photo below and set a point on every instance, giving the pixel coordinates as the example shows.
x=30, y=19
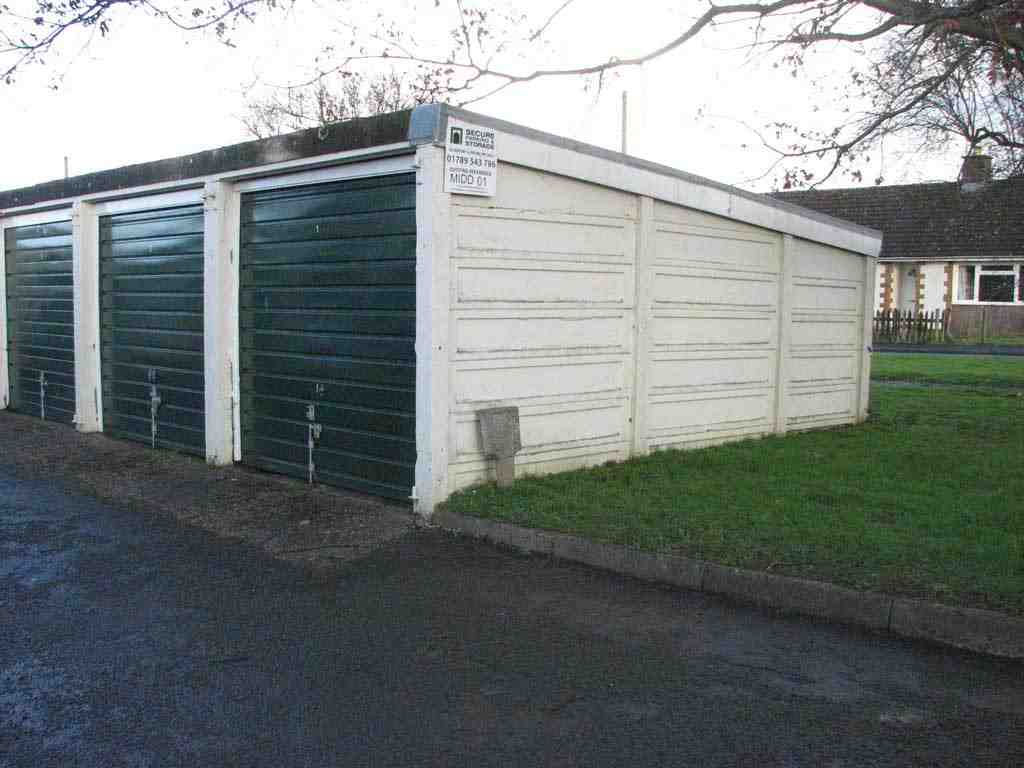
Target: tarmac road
x=130, y=639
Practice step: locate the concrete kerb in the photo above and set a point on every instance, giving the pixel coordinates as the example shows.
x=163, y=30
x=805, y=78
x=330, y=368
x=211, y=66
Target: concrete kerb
x=970, y=629
x=976, y=630
x=802, y=596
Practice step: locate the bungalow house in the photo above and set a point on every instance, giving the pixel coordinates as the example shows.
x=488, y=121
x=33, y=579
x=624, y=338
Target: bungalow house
x=956, y=246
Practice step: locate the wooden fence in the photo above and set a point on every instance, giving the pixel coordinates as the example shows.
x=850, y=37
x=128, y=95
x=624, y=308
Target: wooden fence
x=893, y=326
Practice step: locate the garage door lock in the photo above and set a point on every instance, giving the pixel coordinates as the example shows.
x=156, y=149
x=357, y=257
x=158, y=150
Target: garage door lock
x=313, y=435
x=42, y=395
x=154, y=406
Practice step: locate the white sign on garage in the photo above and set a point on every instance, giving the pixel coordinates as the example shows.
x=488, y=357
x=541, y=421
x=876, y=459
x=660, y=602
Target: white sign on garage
x=471, y=160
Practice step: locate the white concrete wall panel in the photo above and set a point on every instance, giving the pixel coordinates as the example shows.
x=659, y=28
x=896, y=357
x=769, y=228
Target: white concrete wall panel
x=221, y=233
x=485, y=380
x=545, y=315
x=502, y=281
x=824, y=361
x=5, y=385
x=434, y=438
x=580, y=330
x=542, y=298
x=713, y=329
x=85, y=247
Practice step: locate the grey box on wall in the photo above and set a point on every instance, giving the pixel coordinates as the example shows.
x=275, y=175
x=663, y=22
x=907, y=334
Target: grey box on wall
x=499, y=433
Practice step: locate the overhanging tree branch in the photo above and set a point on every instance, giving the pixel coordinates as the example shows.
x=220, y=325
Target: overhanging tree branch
x=926, y=45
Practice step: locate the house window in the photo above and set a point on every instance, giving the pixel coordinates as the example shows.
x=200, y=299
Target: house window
x=997, y=283
x=990, y=283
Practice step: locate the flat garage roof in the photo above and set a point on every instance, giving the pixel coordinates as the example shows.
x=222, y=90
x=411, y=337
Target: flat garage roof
x=394, y=132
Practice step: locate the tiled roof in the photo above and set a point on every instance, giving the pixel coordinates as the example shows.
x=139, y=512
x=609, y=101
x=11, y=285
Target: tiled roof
x=930, y=221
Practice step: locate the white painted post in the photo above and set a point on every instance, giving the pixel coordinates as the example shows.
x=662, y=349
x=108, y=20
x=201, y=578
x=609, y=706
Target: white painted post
x=433, y=300
x=5, y=384
x=232, y=324
x=642, y=323
x=220, y=319
x=866, y=334
x=784, y=333
x=85, y=255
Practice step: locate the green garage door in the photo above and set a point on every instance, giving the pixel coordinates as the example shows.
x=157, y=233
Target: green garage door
x=328, y=325
x=151, y=269
x=40, y=320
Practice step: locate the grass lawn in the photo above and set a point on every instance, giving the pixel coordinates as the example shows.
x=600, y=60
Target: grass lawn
x=926, y=500
x=969, y=370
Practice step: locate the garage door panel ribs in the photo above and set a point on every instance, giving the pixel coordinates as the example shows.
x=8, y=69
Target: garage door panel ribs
x=357, y=249
x=174, y=379
x=40, y=320
x=327, y=332
x=363, y=297
x=365, y=322
x=152, y=327
x=397, y=399
x=357, y=419
x=337, y=345
x=331, y=203
x=334, y=368
x=282, y=276
x=331, y=228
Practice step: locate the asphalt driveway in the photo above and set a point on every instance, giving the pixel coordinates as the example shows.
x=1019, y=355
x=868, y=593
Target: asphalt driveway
x=129, y=638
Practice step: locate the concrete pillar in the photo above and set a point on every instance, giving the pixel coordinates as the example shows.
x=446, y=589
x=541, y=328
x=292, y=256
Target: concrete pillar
x=221, y=228
x=642, y=325
x=85, y=254
x=433, y=304
x=866, y=334
x=785, y=329
x=5, y=384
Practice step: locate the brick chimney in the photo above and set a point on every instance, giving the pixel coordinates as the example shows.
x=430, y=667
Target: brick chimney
x=976, y=170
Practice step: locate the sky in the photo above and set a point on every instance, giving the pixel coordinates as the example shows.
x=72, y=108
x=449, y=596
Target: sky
x=148, y=91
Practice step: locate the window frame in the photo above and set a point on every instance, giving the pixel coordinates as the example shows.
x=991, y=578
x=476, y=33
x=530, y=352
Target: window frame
x=1016, y=269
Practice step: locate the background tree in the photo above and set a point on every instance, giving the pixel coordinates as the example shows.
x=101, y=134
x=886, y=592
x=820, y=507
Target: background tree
x=275, y=110
x=29, y=34
x=939, y=91
x=920, y=55
x=973, y=106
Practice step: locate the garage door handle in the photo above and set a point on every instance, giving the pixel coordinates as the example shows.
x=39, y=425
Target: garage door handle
x=42, y=395
x=154, y=406
x=314, y=434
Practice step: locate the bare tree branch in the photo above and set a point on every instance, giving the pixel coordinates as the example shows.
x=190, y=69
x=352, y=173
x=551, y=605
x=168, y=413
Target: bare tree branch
x=29, y=38
x=539, y=32
x=946, y=69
